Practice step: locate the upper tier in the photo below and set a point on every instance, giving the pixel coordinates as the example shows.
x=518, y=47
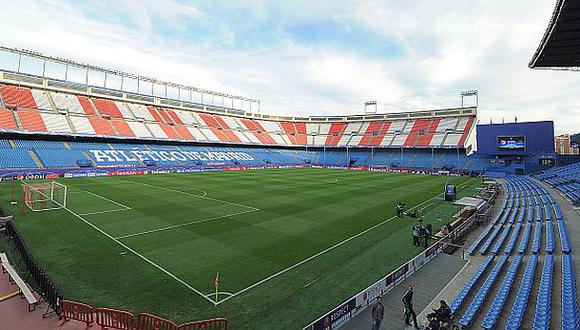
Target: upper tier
x=25, y=109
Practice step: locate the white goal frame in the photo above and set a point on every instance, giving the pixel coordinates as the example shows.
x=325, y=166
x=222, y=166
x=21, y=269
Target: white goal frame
x=44, y=196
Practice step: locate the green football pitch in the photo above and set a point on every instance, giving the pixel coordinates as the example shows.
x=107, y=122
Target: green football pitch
x=289, y=244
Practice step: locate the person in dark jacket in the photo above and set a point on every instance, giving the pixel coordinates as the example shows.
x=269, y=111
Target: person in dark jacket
x=377, y=313
x=443, y=312
x=407, y=301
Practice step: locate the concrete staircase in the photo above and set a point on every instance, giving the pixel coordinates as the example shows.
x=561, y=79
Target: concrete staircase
x=37, y=160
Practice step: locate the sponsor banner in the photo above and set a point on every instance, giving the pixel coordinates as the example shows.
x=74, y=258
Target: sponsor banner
x=417, y=262
x=397, y=274
x=335, y=318
x=127, y=172
x=159, y=171
x=432, y=250
x=369, y=295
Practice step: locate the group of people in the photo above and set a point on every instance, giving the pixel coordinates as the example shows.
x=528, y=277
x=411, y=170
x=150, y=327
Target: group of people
x=420, y=232
x=439, y=319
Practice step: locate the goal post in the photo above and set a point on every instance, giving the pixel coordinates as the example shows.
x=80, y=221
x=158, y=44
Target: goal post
x=44, y=196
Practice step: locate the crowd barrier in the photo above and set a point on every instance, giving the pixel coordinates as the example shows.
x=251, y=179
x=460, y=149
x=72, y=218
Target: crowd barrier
x=108, y=318
x=114, y=319
x=70, y=310
x=43, y=284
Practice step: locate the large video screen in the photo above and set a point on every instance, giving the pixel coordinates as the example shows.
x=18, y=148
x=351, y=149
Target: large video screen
x=515, y=143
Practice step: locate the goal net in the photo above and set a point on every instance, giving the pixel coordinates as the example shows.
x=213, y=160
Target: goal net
x=44, y=196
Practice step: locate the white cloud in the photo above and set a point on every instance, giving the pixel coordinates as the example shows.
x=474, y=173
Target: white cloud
x=446, y=47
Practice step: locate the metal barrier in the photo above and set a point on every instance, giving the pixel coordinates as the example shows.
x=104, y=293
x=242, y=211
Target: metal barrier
x=44, y=285
x=214, y=324
x=147, y=321
x=70, y=310
x=114, y=319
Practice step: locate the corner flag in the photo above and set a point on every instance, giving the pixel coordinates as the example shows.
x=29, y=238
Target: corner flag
x=217, y=284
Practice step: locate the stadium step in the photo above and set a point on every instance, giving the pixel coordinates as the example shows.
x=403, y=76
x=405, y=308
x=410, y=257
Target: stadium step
x=36, y=159
x=18, y=121
x=12, y=144
x=66, y=145
x=89, y=158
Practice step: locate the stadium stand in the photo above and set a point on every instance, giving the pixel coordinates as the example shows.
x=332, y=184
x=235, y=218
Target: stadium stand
x=529, y=205
x=162, y=123
x=566, y=179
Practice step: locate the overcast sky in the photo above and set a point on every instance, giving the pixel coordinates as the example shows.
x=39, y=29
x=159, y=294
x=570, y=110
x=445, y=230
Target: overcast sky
x=317, y=57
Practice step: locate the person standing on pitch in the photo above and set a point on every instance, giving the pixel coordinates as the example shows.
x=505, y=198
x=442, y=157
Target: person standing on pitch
x=378, y=312
x=407, y=301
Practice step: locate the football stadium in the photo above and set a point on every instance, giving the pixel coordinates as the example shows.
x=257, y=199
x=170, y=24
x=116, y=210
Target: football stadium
x=129, y=201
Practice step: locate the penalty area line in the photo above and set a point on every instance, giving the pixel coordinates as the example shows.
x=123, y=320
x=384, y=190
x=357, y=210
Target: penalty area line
x=165, y=271
x=184, y=224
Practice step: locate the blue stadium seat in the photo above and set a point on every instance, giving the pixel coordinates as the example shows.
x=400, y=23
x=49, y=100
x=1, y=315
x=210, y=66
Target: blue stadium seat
x=542, y=316
x=525, y=238
x=521, y=301
x=564, y=239
x=570, y=317
x=536, y=244
x=550, y=237
x=464, y=293
x=513, y=238
x=496, y=307
x=483, y=292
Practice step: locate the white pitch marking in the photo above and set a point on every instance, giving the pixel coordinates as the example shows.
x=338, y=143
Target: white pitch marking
x=142, y=257
x=194, y=195
x=105, y=198
x=191, y=188
x=101, y=212
x=326, y=250
x=184, y=224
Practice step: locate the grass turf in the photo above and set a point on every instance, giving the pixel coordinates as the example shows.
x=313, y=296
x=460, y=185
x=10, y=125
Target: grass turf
x=246, y=225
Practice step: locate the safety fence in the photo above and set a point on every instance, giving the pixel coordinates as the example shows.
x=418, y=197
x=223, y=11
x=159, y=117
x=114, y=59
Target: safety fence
x=44, y=286
x=359, y=302
x=118, y=319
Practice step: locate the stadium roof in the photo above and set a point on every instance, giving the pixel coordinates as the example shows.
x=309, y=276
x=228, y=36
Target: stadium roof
x=560, y=46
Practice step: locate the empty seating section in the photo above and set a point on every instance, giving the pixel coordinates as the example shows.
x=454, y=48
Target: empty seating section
x=570, y=317
x=543, y=303
x=566, y=179
x=483, y=292
x=435, y=132
x=463, y=294
x=67, y=102
x=17, y=98
x=527, y=208
x=500, y=298
x=32, y=121
x=7, y=120
x=56, y=123
x=520, y=304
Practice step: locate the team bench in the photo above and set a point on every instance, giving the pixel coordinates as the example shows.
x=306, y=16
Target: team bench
x=13, y=277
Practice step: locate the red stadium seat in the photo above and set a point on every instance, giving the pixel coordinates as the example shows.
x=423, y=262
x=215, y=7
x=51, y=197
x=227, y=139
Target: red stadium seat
x=169, y=131
x=122, y=128
x=214, y=126
x=258, y=131
x=7, y=120
x=184, y=132
x=466, y=131
x=17, y=97
x=32, y=121
x=419, y=128
x=301, y=137
x=290, y=131
x=87, y=106
x=227, y=130
x=335, y=133
x=155, y=114
x=174, y=117
x=102, y=126
x=107, y=107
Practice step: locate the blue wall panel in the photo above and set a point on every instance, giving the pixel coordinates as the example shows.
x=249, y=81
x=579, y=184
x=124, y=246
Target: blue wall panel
x=539, y=137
